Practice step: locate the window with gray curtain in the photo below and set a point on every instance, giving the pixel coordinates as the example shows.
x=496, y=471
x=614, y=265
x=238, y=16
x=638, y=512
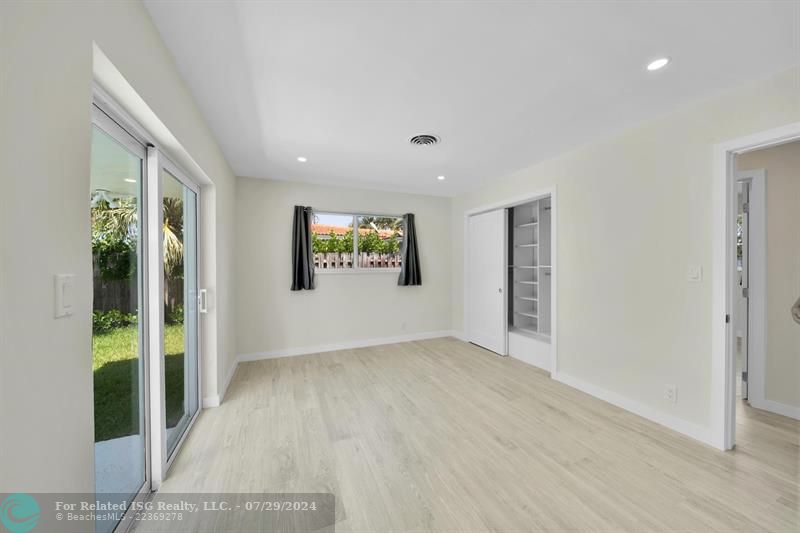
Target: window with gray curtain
x=356, y=242
x=302, y=252
x=410, y=273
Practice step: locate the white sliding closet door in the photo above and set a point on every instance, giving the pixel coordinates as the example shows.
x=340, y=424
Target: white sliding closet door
x=486, y=270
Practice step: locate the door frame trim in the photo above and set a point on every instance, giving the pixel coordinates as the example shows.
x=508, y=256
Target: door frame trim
x=503, y=204
x=724, y=207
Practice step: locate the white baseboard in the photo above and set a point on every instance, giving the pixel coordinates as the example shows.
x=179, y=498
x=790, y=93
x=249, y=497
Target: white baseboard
x=217, y=399
x=347, y=345
x=690, y=429
x=458, y=334
x=229, y=377
x=776, y=407
x=211, y=401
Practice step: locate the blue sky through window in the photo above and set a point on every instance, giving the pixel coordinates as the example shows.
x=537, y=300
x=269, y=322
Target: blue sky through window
x=333, y=220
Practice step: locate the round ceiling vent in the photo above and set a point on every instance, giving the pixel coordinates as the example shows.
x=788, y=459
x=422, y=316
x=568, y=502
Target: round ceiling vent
x=424, y=140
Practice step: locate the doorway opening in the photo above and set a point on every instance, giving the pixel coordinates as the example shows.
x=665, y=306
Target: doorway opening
x=756, y=378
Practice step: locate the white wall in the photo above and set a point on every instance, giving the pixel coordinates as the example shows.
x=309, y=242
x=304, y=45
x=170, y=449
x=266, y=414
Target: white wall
x=634, y=212
x=46, y=70
x=343, y=307
x=782, y=364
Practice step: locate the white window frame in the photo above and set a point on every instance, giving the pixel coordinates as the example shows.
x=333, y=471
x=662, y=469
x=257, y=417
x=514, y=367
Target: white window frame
x=355, y=269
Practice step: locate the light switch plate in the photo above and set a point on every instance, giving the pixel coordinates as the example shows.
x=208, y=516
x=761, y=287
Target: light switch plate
x=64, y=288
x=695, y=273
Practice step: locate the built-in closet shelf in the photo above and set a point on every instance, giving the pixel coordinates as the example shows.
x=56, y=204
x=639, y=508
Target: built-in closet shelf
x=528, y=271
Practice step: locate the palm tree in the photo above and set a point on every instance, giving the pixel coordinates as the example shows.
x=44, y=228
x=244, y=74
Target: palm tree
x=117, y=221
x=173, y=236
x=390, y=223
x=121, y=223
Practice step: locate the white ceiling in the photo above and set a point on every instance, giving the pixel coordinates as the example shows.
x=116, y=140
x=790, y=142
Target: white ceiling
x=505, y=84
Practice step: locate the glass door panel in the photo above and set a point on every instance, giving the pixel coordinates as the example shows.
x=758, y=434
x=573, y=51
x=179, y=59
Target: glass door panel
x=117, y=335
x=181, y=393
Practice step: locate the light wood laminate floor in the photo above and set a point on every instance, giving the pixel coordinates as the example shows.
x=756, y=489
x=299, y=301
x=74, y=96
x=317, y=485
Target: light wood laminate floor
x=440, y=435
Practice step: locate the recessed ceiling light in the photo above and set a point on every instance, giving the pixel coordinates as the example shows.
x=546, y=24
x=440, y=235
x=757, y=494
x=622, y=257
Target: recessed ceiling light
x=440, y=178
x=130, y=180
x=658, y=63
x=302, y=159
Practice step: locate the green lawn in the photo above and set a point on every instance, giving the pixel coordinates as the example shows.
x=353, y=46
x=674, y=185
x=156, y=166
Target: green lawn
x=116, y=381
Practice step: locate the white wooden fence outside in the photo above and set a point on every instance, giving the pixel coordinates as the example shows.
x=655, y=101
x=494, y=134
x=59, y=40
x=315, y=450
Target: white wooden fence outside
x=330, y=261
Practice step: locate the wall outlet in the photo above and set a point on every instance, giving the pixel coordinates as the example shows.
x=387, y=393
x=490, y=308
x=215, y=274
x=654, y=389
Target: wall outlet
x=671, y=393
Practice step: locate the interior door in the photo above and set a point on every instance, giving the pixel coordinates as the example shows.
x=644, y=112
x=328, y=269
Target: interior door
x=486, y=280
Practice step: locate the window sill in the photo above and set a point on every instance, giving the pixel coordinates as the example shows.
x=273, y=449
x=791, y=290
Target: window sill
x=340, y=271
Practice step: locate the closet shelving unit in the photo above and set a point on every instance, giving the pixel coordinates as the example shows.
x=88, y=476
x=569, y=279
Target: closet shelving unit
x=529, y=271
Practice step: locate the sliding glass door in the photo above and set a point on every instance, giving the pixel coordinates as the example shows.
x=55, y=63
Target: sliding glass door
x=145, y=344
x=118, y=351
x=180, y=305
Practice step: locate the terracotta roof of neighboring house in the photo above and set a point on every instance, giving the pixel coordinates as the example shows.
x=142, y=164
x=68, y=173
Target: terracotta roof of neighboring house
x=324, y=229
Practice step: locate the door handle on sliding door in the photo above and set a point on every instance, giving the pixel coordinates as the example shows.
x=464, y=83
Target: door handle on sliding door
x=202, y=301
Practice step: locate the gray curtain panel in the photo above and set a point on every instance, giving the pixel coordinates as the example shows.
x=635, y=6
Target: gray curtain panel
x=410, y=274
x=302, y=253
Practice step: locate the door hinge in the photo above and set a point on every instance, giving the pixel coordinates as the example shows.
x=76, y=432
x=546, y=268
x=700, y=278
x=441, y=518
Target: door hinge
x=727, y=319
x=746, y=207
x=744, y=376
x=745, y=292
